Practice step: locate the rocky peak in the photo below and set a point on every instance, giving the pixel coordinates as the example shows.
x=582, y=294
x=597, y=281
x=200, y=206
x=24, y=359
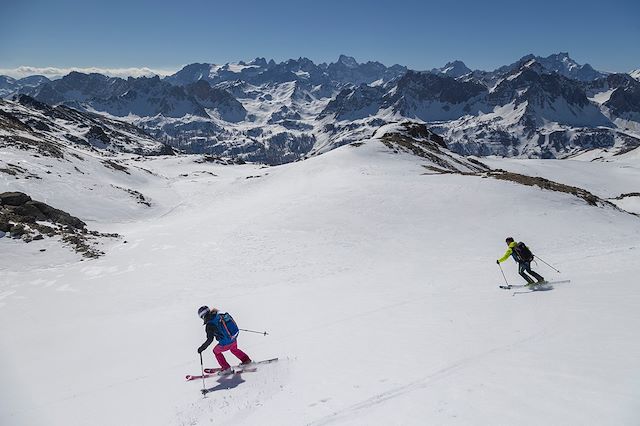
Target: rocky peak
x=33, y=80
x=190, y=73
x=428, y=86
x=30, y=102
x=453, y=69
x=6, y=80
x=227, y=107
x=77, y=79
x=347, y=61
x=534, y=83
x=563, y=64
x=261, y=62
x=625, y=99
x=355, y=103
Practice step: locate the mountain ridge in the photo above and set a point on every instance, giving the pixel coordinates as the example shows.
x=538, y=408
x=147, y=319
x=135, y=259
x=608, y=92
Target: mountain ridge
x=272, y=112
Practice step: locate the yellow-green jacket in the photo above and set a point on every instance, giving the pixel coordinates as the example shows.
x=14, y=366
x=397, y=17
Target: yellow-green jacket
x=508, y=253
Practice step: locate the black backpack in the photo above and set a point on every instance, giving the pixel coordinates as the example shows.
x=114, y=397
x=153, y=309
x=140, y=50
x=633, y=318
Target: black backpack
x=523, y=252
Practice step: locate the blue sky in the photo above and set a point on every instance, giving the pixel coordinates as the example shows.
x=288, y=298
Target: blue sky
x=419, y=34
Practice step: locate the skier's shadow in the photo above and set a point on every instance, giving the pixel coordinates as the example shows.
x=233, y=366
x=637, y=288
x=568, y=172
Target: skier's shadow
x=227, y=382
x=544, y=288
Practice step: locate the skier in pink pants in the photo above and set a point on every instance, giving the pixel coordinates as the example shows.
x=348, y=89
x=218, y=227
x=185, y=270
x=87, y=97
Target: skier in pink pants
x=223, y=328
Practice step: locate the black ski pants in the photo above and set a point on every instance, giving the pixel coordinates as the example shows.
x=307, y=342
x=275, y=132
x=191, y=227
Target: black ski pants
x=526, y=267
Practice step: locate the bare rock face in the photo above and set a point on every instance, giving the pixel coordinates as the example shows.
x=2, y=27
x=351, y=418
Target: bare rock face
x=96, y=135
x=21, y=218
x=21, y=208
x=13, y=198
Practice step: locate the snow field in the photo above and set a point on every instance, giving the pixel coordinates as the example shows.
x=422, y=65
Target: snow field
x=607, y=178
x=378, y=286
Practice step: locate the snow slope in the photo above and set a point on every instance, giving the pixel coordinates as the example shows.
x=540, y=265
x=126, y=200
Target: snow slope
x=376, y=281
x=605, y=175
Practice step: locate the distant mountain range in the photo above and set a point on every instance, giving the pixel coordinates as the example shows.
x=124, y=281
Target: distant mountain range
x=58, y=131
x=9, y=85
x=278, y=112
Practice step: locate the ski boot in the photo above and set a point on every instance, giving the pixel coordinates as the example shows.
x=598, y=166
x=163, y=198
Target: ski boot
x=225, y=372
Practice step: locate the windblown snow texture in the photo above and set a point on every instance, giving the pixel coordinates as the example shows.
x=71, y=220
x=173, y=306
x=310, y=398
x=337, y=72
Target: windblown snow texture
x=372, y=266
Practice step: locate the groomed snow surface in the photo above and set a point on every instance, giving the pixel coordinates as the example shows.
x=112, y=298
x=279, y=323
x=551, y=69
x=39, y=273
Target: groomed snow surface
x=377, y=284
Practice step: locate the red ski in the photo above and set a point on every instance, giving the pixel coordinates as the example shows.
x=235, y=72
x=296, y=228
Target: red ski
x=189, y=377
x=213, y=372
x=240, y=368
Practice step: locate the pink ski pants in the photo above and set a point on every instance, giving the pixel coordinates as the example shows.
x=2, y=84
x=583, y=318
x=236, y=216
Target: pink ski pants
x=233, y=347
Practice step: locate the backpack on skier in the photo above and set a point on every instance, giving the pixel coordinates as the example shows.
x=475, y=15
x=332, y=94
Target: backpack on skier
x=523, y=252
x=227, y=326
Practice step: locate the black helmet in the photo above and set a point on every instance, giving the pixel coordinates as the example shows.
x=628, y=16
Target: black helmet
x=203, y=311
x=509, y=240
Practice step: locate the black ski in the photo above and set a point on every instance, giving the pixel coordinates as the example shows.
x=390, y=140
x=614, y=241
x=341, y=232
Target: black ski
x=533, y=285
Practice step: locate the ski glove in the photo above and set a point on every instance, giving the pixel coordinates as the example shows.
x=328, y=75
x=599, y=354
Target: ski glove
x=498, y=262
x=200, y=350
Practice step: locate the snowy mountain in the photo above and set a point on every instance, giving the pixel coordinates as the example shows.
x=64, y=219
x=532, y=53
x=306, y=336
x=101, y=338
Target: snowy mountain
x=560, y=63
x=9, y=86
x=372, y=243
x=529, y=111
x=53, y=131
x=259, y=111
x=221, y=102
x=635, y=74
x=430, y=97
x=535, y=113
x=279, y=112
x=624, y=101
x=346, y=70
x=118, y=97
x=453, y=69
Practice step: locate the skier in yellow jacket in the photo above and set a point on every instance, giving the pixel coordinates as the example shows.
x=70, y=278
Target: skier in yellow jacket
x=523, y=256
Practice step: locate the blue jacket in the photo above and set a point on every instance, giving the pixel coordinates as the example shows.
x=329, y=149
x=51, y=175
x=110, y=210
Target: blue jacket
x=212, y=327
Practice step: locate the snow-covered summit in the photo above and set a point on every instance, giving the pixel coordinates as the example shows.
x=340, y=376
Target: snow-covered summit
x=560, y=63
x=563, y=64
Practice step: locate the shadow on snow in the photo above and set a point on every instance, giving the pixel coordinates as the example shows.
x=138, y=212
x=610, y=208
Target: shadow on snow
x=226, y=382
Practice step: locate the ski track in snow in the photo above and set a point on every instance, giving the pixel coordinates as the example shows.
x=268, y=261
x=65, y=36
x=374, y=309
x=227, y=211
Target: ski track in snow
x=424, y=382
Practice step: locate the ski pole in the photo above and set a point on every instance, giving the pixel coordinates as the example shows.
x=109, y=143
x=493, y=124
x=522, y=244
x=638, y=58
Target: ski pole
x=202, y=370
x=264, y=333
x=541, y=260
x=503, y=276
